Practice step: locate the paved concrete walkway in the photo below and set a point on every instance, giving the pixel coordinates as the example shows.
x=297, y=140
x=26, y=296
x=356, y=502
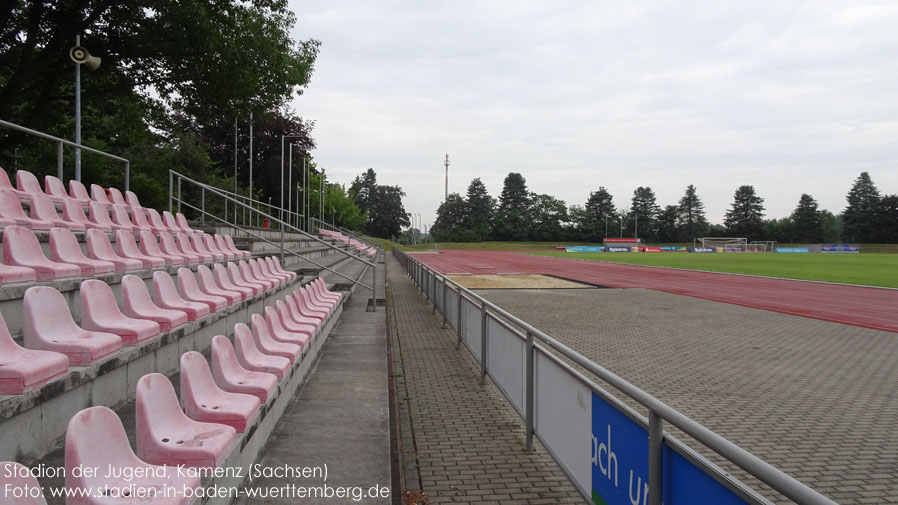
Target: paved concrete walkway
x=460, y=442
x=340, y=418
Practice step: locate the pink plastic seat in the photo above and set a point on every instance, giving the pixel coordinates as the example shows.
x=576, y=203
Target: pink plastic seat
x=200, y=247
x=300, y=296
x=11, y=209
x=165, y=436
x=127, y=248
x=54, y=188
x=165, y=295
x=78, y=192
x=318, y=283
x=250, y=357
x=221, y=276
x=303, y=318
x=262, y=273
x=116, y=197
x=99, y=248
x=132, y=200
x=21, y=249
x=280, y=333
x=95, y=438
x=6, y=185
x=186, y=248
x=170, y=221
x=98, y=194
x=296, y=324
x=26, y=182
x=266, y=342
x=211, y=246
x=168, y=246
x=99, y=215
x=184, y=225
x=17, y=476
x=237, y=278
x=136, y=303
x=276, y=266
x=139, y=220
x=204, y=401
x=22, y=370
x=100, y=312
x=230, y=241
x=156, y=222
x=250, y=276
x=226, y=245
x=10, y=274
x=308, y=292
x=73, y=212
x=208, y=285
x=64, y=248
x=190, y=291
x=318, y=296
x=47, y=324
x=150, y=247
x=233, y=378
x=121, y=218
x=266, y=271
x=43, y=209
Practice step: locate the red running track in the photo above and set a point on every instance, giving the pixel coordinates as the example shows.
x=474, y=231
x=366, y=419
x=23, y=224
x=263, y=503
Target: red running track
x=867, y=307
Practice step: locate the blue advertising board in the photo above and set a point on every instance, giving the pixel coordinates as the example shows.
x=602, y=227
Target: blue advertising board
x=840, y=248
x=584, y=248
x=673, y=248
x=620, y=448
x=619, y=249
x=793, y=250
x=703, y=249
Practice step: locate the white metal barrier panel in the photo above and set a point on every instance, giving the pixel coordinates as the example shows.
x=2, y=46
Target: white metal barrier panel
x=613, y=455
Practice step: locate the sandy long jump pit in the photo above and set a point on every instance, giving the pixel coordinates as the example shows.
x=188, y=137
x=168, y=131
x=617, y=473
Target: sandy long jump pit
x=515, y=281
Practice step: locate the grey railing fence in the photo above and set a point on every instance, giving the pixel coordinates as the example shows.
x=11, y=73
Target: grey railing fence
x=550, y=395
x=175, y=180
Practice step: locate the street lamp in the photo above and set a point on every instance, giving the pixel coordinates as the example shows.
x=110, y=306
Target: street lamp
x=282, y=171
x=80, y=56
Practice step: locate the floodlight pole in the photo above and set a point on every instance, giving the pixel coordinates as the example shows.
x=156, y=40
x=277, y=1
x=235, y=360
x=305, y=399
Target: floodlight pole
x=78, y=113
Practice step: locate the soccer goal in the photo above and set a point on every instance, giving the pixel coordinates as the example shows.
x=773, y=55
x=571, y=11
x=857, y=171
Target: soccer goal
x=728, y=244
x=760, y=246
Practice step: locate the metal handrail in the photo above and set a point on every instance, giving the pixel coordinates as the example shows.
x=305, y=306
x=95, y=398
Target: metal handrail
x=283, y=225
x=767, y=473
x=63, y=142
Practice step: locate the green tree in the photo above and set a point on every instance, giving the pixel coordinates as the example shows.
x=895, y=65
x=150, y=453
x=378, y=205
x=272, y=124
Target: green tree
x=515, y=195
x=548, y=214
x=451, y=218
x=599, y=208
x=887, y=220
x=482, y=209
x=691, y=221
x=745, y=218
x=339, y=208
x=386, y=213
x=780, y=230
x=859, y=218
x=667, y=224
x=645, y=213
x=362, y=188
x=806, y=218
x=512, y=221
x=831, y=226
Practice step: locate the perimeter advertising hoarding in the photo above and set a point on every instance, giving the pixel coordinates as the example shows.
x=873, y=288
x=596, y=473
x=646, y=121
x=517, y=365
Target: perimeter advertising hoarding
x=621, y=249
x=703, y=249
x=793, y=250
x=584, y=248
x=621, y=240
x=673, y=248
x=620, y=466
x=651, y=249
x=841, y=248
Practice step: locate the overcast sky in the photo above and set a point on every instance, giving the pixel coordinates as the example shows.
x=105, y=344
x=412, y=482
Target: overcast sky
x=790, y=97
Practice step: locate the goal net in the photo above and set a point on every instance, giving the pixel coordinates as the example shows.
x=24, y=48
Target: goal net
x=760, y=246
x=728, y=244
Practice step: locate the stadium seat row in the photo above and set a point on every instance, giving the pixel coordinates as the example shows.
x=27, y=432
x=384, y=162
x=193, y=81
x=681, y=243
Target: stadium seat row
x=359, y=247
x=53, y=341
x=24, y=260
x=202, y=429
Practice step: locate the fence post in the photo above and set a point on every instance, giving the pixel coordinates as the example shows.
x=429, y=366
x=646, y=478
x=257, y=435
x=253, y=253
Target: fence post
x=171, y=176
x=528, y=391
x=373, y=288
x=656, y=440
x=59, y=160
x=433, y=290
x=459, y=325
x=445, y=304
x=203, y=207
x=127, y=175
x=483, y=338
x=179, y=194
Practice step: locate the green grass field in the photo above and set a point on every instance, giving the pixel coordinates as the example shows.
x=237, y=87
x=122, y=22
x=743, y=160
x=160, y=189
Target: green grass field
x=863, y=269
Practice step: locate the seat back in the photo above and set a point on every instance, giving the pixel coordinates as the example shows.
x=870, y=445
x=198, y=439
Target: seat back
x=261, y=330
x=97, y=301
x=95, y=438
x=42, y=208
x=73, y=210
x=45, y=312
x=120, y=217
x=181, y=220
x=78, y=191
x=126, y=244
x=4, y=180
x=10, y=206
x=184, y=244
x=187, y=285
x=167, y=244
x=54, y=187
x=156, y=406
x=99, y=214
x=237, y=276
x=164, y=289
x=98, y=194
x=248, y=273
x=98, y=245
x=206, y=280
x=224, y=360
x=28, y=183
x=209, y=242
x=196, y=381
x=132, y=200
x=245, y=346
x=155, y=219
x=135, y=296
x=148, y=244
x=139, y=218
x=169, y=220
x=17, y=476
x=64, y=246
x=116, y=197
x=198, y=245
x=21, y=245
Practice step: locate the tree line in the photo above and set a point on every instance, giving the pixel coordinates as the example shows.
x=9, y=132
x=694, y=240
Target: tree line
x=521, y=215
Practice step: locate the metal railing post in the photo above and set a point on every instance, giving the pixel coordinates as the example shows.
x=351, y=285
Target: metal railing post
x=59, y=146
x=483, y=338
x=281, y=226
x=179, y=195
x=373, y=307
x=656, y=441
x=433, y=289
x=127, y=175
x=528, y=391
x=445, y=305
x=171, y=176
x=203, y=207
x=458, y=324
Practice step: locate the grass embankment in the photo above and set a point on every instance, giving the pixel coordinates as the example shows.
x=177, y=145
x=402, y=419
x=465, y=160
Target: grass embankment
x=863, y=269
